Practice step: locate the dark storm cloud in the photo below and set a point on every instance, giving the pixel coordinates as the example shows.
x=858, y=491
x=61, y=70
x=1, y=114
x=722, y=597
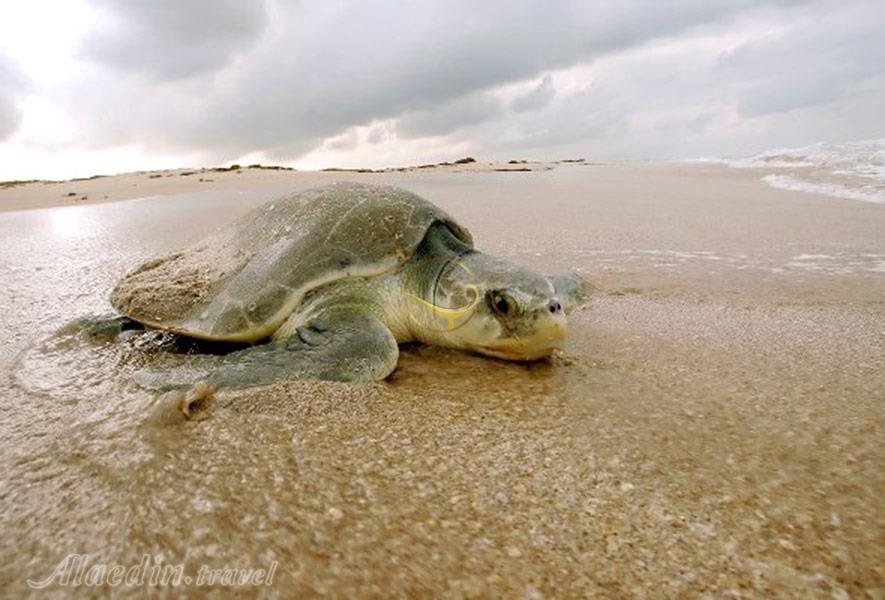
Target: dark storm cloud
x=771, y=78
x=450, y=116
x=169, y=39
x=318, y=68
x=833, y=52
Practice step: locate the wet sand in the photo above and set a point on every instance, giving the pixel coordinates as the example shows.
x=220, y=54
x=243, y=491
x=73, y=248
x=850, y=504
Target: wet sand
x=713, y=427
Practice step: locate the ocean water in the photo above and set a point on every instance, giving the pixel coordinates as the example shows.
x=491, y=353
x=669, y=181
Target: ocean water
x=852, y=170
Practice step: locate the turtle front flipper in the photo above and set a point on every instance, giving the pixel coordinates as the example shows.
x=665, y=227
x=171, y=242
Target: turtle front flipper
x=333, y=347
x=572, y=289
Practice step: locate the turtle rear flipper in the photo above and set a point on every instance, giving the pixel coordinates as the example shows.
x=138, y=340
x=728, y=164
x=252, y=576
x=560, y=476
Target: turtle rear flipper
x=102, y=328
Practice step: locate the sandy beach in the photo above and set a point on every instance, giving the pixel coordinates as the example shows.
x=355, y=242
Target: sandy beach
x=22, y=195
x=712, y=429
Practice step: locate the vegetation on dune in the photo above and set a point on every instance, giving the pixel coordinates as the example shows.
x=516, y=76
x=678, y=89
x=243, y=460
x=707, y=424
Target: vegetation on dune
x=235, y=168
x=461, y=161
x=271, y=167
x=153, y=175
x=17, y=182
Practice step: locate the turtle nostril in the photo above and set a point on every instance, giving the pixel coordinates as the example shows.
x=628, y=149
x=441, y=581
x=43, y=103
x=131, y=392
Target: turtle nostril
x=554, y=306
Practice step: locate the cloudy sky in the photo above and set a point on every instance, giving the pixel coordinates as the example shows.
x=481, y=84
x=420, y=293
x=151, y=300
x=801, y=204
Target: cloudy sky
x=103, y=86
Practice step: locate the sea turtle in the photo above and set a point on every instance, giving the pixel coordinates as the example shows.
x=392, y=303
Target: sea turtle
x=325, y=284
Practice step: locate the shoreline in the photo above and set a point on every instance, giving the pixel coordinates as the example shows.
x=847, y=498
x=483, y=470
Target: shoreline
x=100, y=189
x=97, y=189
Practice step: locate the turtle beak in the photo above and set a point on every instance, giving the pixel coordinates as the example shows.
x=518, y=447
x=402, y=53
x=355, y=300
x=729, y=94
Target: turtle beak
x=548, y=334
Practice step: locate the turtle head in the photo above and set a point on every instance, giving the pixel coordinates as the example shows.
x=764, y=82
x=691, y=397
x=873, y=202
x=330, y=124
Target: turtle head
x=517, y=314
x=490, y=306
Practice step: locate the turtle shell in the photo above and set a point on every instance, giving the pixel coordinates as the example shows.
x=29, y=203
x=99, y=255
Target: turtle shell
x=243, y=281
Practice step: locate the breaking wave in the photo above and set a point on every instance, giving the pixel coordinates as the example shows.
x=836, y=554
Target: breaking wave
x=853, y=170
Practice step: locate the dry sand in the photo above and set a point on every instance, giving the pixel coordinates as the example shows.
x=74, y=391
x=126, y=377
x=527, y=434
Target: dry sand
x=21, y=195
x=713, y=428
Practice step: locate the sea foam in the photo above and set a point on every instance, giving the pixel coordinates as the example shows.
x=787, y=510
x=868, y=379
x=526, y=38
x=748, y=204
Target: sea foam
x=853, y=170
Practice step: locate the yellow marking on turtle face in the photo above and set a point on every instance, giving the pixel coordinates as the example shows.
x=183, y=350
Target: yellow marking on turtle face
x=451, y=315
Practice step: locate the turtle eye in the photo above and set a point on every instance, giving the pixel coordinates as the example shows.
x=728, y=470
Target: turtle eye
x=502, y=303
